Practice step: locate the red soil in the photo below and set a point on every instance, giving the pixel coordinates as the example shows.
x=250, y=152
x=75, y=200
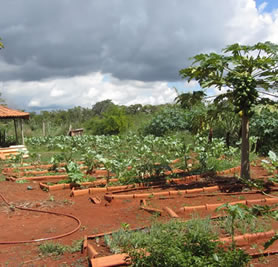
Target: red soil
x=95, y=218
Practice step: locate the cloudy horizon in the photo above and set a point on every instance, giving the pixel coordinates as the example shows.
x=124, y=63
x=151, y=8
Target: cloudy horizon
x=61, y=54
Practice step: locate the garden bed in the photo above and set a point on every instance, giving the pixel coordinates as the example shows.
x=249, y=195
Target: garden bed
x=105, y=216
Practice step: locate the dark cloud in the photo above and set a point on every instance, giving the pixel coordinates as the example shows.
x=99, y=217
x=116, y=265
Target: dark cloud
x=143, y=40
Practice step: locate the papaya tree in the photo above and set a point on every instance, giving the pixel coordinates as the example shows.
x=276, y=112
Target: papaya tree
x=240, y=71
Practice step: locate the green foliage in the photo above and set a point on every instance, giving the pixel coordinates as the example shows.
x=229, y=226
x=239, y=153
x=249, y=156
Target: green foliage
x=167, y=120
x=188, y=100
x=214, y=155
x=237, y=212
x=134, y=158
x=51, y=248
x=21, y=181
x=56, y=160
x=264, y=125
x=113, y=121
x=55, y=249
x=249, y=223
x=271, y=165
x=270, y=241
x=101, y=107
x=89, y=158
x=223, y=121
x=18, y=158
x=57, y=122
x=75, y=175
x=198, y=119
x=242, y=69
x=175, y=244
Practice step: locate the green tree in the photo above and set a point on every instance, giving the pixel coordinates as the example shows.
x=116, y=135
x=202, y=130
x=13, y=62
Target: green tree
x=167, y=120
x=188, y=100
x=113, y=121
x=242, y=69
x=100, y=107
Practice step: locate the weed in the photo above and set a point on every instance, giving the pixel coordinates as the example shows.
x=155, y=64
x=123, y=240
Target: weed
x=83, y=228
x=21, y=181
x=125, y=226
x=51, y=198
x=51, y=248
x=68, y=202
x=56, y=249
x=75, y=246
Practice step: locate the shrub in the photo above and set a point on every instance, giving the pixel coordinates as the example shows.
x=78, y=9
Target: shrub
x=176, y=244
x=167, y=120
x=264, y=125
x=113, y=121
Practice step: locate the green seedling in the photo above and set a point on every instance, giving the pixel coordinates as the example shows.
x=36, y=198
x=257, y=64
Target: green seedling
x=237, y=211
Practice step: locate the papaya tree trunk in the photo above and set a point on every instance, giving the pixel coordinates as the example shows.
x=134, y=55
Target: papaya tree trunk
x=210, y=135
x=245, y=164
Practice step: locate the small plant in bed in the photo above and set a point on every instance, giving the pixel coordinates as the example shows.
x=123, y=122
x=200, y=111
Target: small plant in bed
x=75, y=175
x=56, y=161
x=242, y=219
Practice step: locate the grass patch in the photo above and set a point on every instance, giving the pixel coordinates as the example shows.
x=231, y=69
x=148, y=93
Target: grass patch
x=56, y=249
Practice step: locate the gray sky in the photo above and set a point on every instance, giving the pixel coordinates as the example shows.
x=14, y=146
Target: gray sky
x=64, y=53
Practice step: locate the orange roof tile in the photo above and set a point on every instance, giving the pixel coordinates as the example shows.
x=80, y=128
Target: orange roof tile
x=8, y=113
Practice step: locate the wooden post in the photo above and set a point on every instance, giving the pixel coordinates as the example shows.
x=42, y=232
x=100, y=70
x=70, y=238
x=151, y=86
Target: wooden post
x=15, y=129
x=70, y=128
x=22, y=133
x=43, y=128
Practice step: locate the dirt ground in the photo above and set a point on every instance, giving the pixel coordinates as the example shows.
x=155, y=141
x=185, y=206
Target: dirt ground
x=18, y=225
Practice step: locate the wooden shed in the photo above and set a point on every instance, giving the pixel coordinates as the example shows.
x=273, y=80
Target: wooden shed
x=74, y=132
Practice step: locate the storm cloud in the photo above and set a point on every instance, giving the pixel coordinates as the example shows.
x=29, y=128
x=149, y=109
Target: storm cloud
x=130, y=40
